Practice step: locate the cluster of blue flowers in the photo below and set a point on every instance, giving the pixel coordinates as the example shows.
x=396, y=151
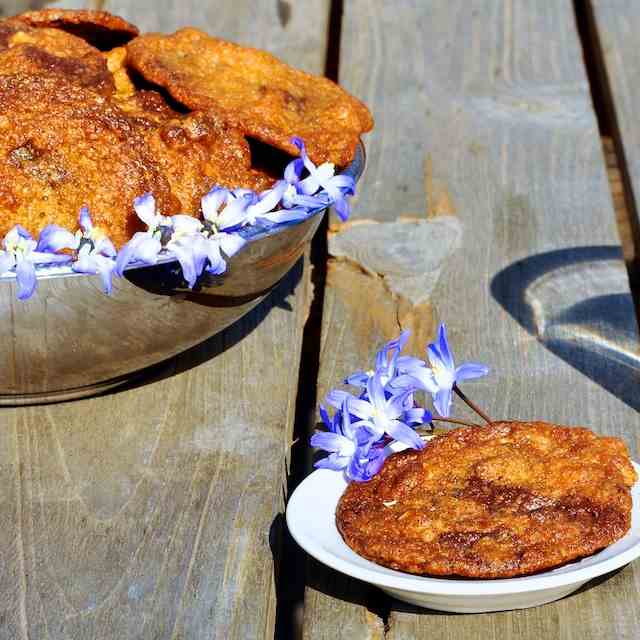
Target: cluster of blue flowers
x=385, y=408
x=199, y=245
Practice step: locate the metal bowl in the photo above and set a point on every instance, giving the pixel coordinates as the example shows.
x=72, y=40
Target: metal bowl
x=70, y=340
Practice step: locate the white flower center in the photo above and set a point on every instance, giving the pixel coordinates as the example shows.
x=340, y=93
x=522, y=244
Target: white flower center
x=18, y=245
x=348, y=448
x=443, y=376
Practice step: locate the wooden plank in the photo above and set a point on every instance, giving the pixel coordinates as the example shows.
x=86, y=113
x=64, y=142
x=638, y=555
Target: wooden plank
x=153, y=512
x=486, y=137
x=612, y=25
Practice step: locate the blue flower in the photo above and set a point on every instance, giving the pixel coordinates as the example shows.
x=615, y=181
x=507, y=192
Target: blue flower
x=384, y=413
x=145, y=246
x=95, y=253
x=224, y=213
x=385, y=366
x=21, y=253
x=177, y=236
x=335, y=188
x=299, y=192
x=350, y=446
x=445, y=375
x=263, y=205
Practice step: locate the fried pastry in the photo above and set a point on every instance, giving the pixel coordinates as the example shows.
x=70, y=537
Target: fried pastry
x=52, y=52
x=62, y=147
x=100, y=28
x=253, y=90
x=199, y=151
x=508, y=499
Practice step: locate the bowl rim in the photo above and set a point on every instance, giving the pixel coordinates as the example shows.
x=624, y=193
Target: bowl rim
x=304, y=522
x=252, y=234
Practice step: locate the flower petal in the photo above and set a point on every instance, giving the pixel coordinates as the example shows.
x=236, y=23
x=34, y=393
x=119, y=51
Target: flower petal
x=217, y=264
x=284, y=216
x=212, y=202
x=230, y=243
x=361, y=408
x=293, y=171
x=38, y=257
x=330, y=441
x=417, y=415
x=404, y=433
x=26, y=279
x=183, y=251
x=84, y=220
x=357, y=379
x=54, y=238
x=375, y=391
x=333, y=462
x=148, y=250
x=443, y=345
x=145, y=208
x=470, y=371
x=185, y=224
x=336, y=398
x=442, y=402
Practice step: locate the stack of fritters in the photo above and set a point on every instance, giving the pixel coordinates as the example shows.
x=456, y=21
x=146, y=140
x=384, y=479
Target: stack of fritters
x=92, y=115
x=504, y=500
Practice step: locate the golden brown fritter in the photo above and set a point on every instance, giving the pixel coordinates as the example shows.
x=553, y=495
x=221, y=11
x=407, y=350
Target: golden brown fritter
x=253, y=90
x=195, y=151
x=199, y=151
x=51, y=52
x=62, y=147
x=116, y=64
x=98, y=27
x=504, y=500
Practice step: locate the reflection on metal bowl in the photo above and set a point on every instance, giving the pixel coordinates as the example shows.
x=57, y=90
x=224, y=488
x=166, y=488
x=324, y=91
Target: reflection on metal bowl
x=71, y=340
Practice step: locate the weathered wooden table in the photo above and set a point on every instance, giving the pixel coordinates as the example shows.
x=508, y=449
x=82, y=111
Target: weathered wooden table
x=156, y=512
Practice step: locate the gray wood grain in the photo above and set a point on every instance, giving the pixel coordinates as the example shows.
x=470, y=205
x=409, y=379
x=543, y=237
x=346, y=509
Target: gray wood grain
x=483, y=113
x=615, y=25
x=149, y=513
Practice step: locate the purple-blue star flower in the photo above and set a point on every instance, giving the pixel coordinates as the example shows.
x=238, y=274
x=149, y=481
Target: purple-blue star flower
x=21, y=253
x=224, y=213
x=384, y=413
x=336, y=188
x=94, y=253
x=385, y=364
x=145, y=246
x=300, y=192
x=445, y=375
x=177, y=236
x=350, y=446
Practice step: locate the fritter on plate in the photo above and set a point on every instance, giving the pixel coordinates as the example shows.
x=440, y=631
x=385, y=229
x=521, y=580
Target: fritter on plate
x=51, y=52
x=98, y=27
x=62, y=147
x=504, y=500
x=265, y=98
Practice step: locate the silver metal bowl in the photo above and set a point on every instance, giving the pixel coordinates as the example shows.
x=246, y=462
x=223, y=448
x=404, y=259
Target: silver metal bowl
x=70, y=340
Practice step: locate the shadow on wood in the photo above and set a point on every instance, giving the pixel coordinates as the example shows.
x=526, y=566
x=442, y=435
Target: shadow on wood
x=576, y=302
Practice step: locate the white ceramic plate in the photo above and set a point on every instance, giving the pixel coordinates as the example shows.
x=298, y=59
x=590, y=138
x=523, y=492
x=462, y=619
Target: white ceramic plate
x=311, y=520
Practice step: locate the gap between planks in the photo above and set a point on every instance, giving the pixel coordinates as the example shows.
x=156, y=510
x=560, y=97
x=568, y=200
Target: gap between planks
x=293, y=561
x=617, y=168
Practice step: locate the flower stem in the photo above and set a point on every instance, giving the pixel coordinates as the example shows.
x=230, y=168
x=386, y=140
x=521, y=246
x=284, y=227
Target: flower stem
x=456, y=421
x=472, y=405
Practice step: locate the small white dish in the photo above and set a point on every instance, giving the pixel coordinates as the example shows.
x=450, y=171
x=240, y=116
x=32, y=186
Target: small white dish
x=311, y=521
